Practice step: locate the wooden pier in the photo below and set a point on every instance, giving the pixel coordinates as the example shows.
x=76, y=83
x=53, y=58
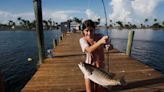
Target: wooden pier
x=61, y=73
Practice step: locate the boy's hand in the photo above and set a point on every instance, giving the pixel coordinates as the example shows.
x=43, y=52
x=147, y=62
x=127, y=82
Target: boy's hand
x=104, y=40
x=108, y=47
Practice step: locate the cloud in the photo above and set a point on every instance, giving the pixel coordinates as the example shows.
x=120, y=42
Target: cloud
x=6, y=16
x=121, y=10
x=133, y=10
x=144, y=8
x=91, y=14
x=26, y=15
x=61, y=15
x=57, y=16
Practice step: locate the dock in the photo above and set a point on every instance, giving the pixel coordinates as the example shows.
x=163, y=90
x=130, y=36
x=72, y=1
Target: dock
x=62, y=74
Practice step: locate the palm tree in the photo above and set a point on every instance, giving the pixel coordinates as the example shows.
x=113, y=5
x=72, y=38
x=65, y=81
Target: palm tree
x=49, y=23
x=130, y=24
x=77, y=20
x=11, y=24
x=155, y=20
x=110, y=20
x=19, y=20
x=142, y=26
x=120, y=23
x=45, y=24
x=33, y=23
x=23, y=22
x=145, y=21
x=111, y=24
x=98, y=20
x=156, y=24
x=28, y=24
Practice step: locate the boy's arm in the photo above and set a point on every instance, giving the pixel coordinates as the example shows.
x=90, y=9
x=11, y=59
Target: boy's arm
x=103, y=40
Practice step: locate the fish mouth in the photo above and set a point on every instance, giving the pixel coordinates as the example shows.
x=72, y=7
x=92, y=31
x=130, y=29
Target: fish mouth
x=81, y=65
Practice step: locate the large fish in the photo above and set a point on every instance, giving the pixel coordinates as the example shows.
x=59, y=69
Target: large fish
x=97, y=75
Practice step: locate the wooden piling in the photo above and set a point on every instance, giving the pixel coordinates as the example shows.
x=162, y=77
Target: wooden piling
x=61, y=37
x=55, y=43
x=130, y=42
x=39, y=29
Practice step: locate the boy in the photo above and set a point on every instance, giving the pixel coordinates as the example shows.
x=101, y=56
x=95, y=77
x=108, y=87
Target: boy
x=93, y=46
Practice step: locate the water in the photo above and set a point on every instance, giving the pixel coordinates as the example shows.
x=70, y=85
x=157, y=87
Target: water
x=15, y=48
x=148, y=45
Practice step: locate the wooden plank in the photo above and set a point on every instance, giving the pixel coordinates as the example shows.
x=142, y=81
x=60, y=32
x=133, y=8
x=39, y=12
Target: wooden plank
x=61, y=73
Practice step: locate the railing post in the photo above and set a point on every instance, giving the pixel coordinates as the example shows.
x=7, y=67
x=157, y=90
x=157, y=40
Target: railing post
x=130, y=42
x=39, y=29
x=53, y=42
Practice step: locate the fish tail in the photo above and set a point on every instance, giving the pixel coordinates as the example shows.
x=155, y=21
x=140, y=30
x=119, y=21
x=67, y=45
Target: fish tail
x=122, y=81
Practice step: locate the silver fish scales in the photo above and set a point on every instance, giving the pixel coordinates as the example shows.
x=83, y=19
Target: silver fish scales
x=98, y=75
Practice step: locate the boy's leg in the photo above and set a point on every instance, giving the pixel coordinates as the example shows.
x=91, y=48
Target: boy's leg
x=98, y=88
x=88, y=85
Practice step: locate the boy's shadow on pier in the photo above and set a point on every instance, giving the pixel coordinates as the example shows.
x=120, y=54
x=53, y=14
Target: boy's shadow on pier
x=142, y=83
x=137, y=84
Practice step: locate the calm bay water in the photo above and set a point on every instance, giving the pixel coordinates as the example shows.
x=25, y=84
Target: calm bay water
x=17, y=46
x=148, y=45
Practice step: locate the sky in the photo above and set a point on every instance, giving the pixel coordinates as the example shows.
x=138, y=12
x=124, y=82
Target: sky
x=134, y=11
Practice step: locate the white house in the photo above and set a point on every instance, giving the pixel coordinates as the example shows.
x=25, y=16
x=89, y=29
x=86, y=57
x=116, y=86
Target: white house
x=74, y=26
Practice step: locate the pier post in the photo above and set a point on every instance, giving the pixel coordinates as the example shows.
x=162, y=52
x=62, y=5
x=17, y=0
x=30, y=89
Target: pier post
x=55, y=43
x=39, y=29
x=130, y=42
x=61, y=37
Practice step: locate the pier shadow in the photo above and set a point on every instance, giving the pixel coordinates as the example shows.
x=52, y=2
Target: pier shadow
x=137, y=84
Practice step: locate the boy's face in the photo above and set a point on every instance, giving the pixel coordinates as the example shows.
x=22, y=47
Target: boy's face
x=89, y=32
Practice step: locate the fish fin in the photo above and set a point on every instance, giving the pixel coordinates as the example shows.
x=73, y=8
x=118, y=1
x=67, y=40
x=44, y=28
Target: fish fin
x=107, y=88
x=112, y=75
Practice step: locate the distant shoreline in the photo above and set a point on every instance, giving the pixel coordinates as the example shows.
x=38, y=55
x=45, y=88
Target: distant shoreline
x=98, y=27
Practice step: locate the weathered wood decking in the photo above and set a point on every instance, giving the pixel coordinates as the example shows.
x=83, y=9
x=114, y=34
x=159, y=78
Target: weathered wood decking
x=61, y=74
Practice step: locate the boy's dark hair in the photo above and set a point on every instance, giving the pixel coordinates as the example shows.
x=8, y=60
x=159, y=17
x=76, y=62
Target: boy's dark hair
x=88, y=23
